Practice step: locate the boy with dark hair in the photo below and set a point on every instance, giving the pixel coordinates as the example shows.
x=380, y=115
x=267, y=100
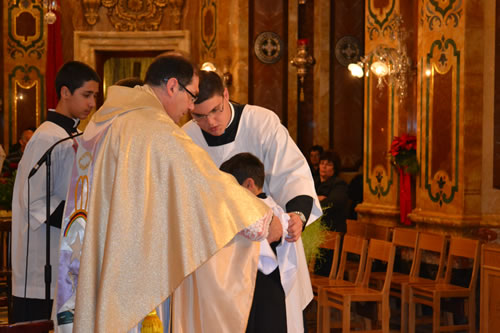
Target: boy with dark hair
x=77, y=86
x=271, y=308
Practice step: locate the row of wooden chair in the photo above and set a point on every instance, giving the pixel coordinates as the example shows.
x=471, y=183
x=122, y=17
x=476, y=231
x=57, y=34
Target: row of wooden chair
x=410, y=288
x=340, y=293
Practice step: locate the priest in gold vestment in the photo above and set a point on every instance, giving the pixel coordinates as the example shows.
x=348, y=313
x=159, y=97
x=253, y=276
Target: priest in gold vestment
x=149, y=213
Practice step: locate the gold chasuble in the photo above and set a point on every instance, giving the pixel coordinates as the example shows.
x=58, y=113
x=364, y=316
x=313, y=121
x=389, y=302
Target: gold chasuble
x=158, y=209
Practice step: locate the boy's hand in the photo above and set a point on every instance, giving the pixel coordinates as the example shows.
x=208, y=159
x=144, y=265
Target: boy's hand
x=275, y=230
x=294, y=228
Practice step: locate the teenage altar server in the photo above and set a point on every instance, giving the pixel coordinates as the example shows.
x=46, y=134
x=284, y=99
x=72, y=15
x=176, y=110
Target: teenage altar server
x=77, y=86
x=224, y=129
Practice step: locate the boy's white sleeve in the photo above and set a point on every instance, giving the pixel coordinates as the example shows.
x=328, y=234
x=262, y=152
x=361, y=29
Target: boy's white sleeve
x=267, y=259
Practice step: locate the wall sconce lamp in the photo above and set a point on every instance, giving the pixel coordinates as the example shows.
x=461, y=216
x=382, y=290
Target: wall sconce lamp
x=227, y=77
x=392, y=66
x=51, y=6
x=302, y=61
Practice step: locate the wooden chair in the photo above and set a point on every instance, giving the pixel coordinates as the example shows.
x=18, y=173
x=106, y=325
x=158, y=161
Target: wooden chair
x=332, y=242
x=378, y=232
x=5, y=265
x=351, y=244
x=40, y=326
x=431, y=294
x=342, y=298
x=407, y=238
x=356, y=228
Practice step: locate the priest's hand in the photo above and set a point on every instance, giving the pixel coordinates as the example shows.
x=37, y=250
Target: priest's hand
x=294, y=228
x=275, y=230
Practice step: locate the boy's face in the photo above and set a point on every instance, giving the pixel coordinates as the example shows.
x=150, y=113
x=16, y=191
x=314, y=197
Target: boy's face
x=82, y=101
x=213, y=115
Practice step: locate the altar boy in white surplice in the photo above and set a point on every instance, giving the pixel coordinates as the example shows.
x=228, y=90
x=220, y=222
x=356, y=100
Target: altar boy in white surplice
x=273, y=304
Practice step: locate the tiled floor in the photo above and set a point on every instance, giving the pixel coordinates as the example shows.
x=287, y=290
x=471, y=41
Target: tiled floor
x=311, y=323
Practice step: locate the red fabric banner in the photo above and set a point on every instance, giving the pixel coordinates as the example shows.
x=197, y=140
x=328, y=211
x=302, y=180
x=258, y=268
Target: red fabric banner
x=404, y=196
x=54, y=58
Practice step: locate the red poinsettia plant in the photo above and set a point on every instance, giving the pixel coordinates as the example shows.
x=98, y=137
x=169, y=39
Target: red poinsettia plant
x=404, y=153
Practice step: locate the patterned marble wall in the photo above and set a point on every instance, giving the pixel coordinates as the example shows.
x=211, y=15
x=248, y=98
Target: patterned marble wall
x=445, y=112
x=23, y=67
x=450, y=87
x=382, y=120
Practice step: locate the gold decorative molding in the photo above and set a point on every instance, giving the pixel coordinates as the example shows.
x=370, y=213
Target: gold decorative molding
x=381, y=214
x=444, y=219
x=86, y=43
x=91, y=10
x=135, y=15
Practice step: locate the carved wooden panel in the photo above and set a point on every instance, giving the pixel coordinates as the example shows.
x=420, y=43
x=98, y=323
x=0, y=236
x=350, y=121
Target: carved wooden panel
x=496, y=135
x=346, y=128
x=490, y=288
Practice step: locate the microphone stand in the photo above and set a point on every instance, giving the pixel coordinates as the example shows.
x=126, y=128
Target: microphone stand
x=48, y=161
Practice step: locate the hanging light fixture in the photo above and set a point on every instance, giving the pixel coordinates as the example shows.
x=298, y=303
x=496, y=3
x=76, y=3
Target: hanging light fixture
x=392, y=66
x=302, y=61
x=51, y=6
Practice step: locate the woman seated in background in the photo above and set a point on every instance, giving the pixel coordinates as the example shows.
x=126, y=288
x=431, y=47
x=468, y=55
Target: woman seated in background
x=332, y=194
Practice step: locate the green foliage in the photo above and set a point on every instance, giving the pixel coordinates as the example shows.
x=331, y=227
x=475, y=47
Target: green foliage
x=407, y=159
x=6, y=191
x=312, y=237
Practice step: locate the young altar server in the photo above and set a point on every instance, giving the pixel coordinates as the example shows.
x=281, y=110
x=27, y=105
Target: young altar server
x=272, y=304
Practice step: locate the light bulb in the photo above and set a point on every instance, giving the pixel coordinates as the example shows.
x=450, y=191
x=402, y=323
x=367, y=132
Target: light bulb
x=356, y=69
x=379, y=68
x=208, y=66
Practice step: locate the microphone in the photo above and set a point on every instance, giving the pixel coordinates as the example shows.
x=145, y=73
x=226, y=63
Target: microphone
x=43, y=159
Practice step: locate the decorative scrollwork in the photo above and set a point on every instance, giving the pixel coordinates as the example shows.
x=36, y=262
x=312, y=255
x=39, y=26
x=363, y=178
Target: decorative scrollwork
x=437, y=16
x=25, y=28
x=13, y=50
x=140, y=15
x=38, y=51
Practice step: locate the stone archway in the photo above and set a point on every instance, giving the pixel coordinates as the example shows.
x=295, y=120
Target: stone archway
x=87, y=44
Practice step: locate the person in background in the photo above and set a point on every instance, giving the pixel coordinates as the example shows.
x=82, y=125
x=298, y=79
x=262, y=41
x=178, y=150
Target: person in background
x=332, y=194
x=12, y=160
x=314, y=155
x=130, y=82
